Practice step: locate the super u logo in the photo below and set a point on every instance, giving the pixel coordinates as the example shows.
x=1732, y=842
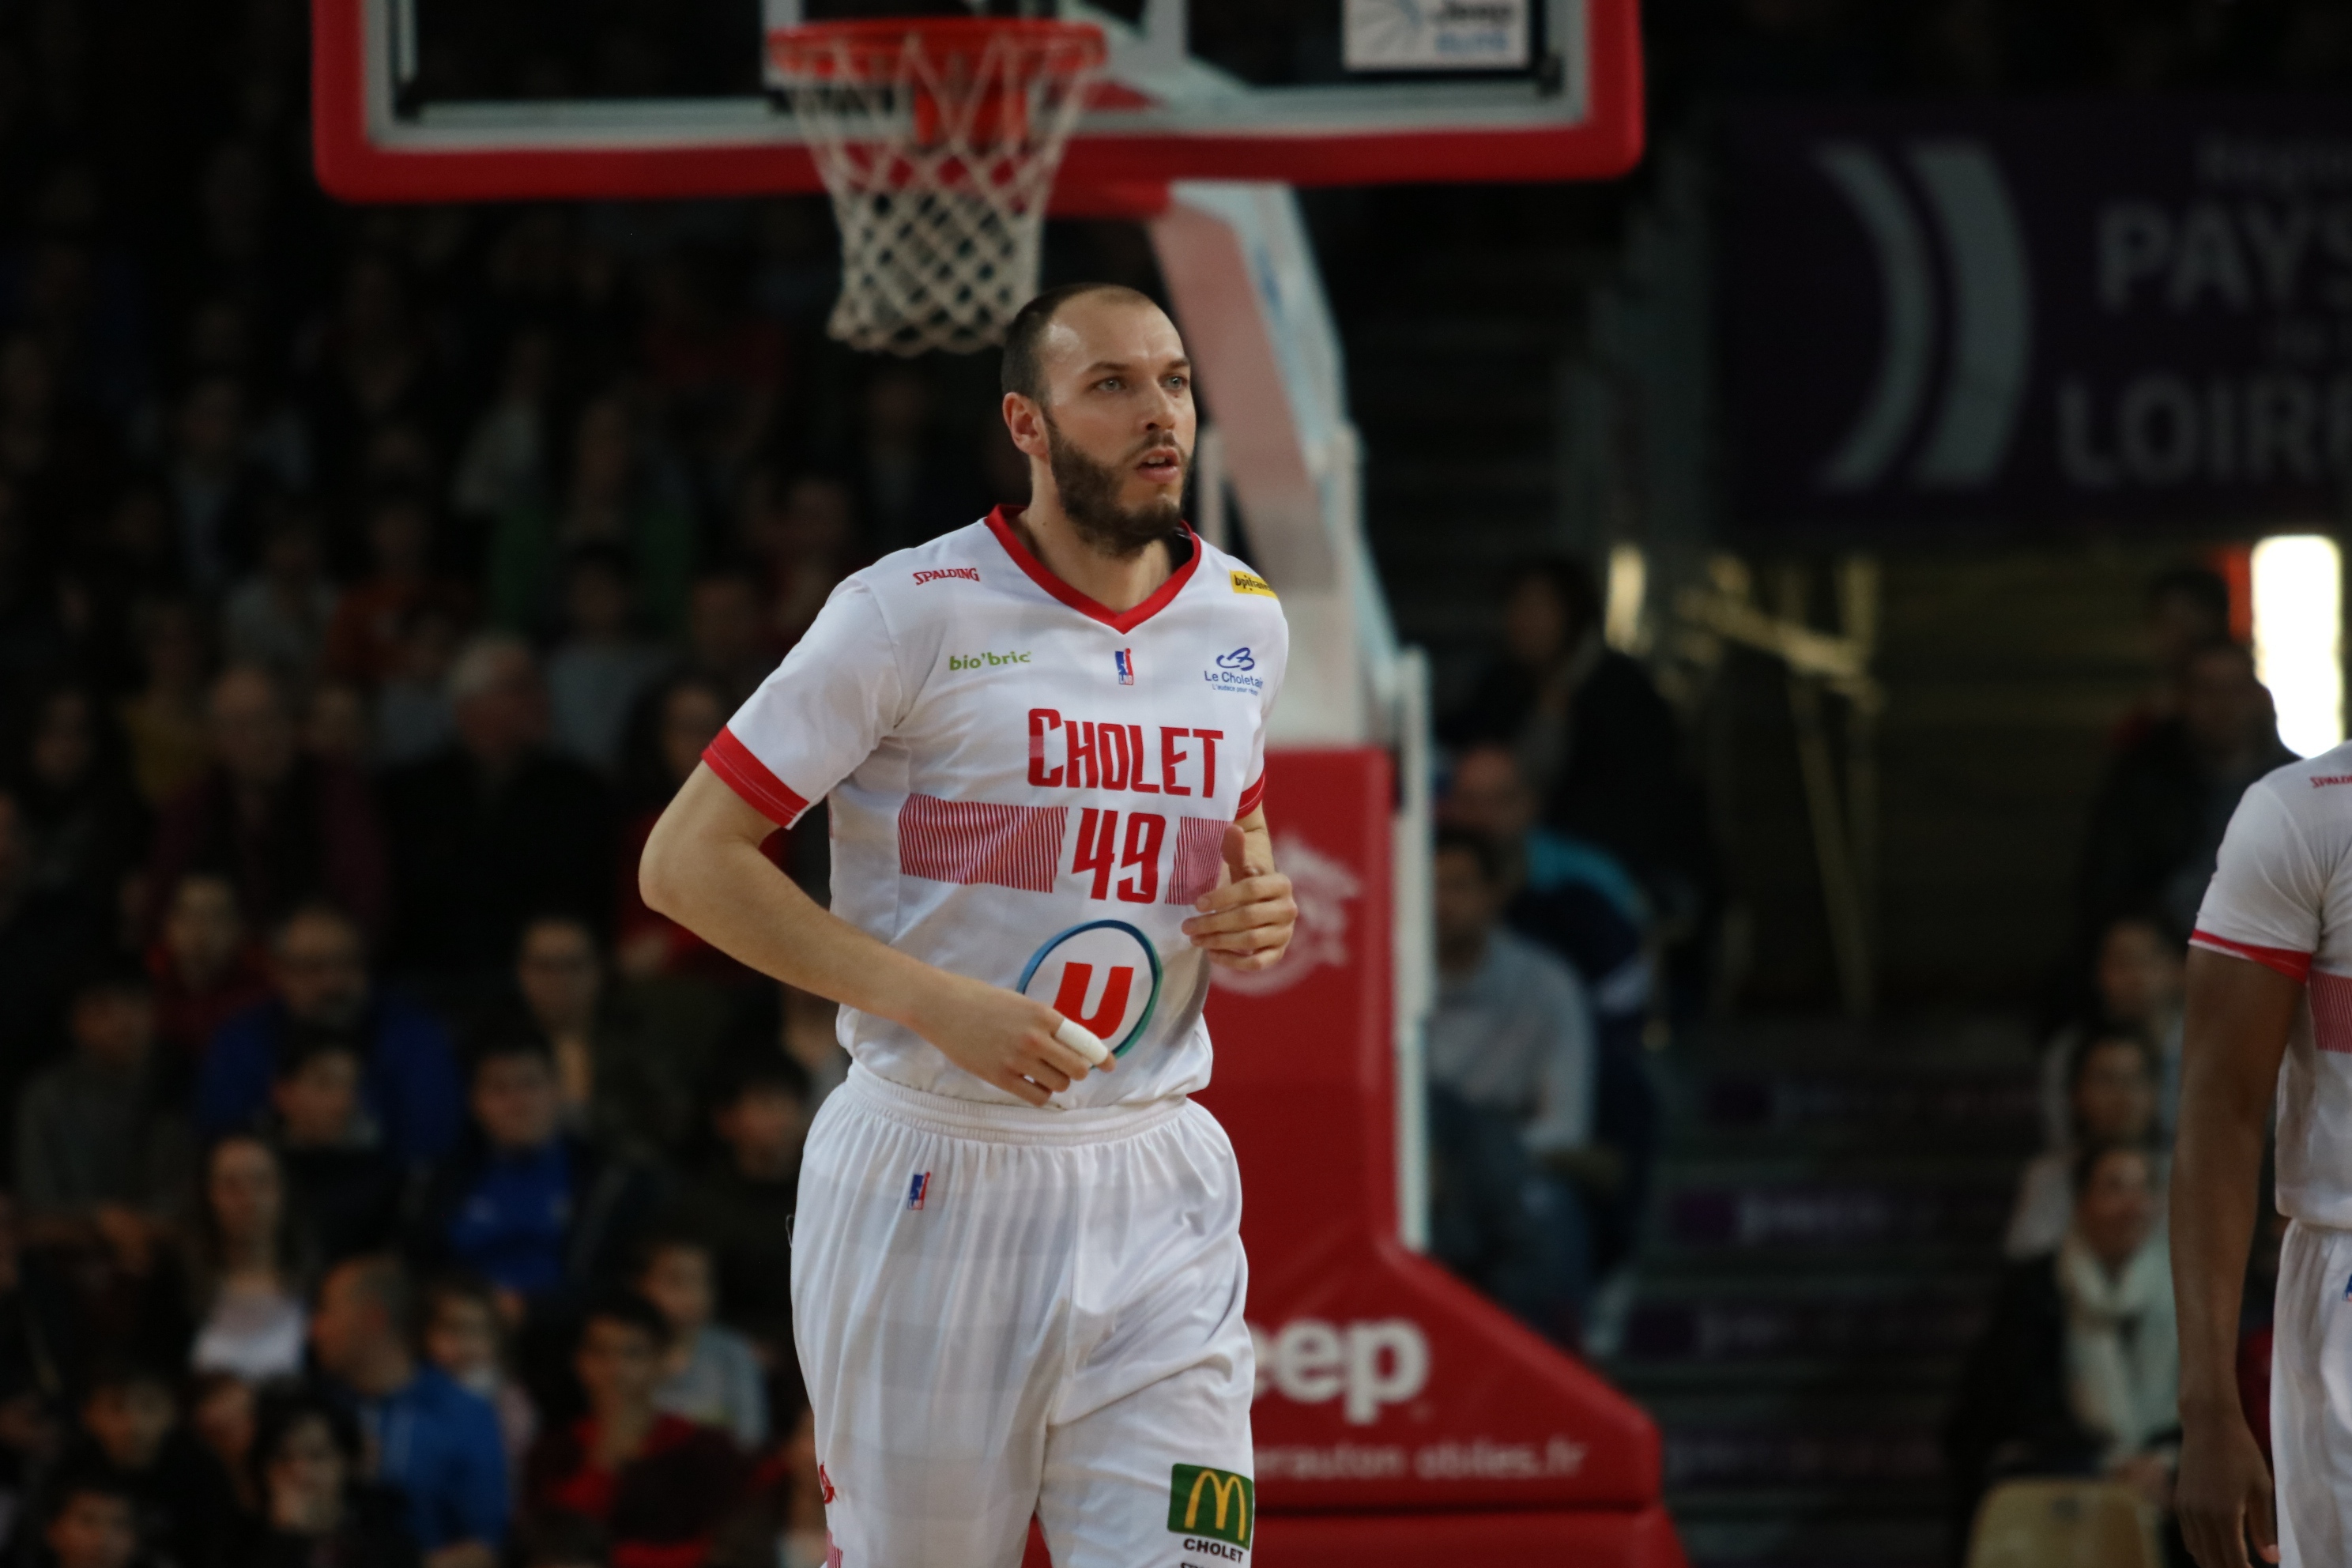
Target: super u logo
x=1115, y=1008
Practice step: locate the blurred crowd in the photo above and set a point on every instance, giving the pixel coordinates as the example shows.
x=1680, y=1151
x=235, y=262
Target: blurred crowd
x=2077, y=1370
x=385, y=1184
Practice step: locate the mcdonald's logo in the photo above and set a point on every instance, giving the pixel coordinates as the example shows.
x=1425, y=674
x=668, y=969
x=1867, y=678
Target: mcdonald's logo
x=1217, y=1504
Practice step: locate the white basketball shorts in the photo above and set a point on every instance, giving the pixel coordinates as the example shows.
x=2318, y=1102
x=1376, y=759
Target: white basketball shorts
x=2311, y=1397
x=1003, y=1311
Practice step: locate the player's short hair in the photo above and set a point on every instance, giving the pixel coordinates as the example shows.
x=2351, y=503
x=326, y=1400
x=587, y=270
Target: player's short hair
x=1023, y=369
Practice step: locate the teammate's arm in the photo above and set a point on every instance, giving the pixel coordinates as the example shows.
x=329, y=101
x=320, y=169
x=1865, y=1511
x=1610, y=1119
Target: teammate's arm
x=2235, y=1033
x=1246, y=920
x=703, y=867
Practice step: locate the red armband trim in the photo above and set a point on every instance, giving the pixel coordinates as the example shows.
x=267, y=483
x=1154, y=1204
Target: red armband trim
x=748, y=776
x=1252, y=797
x=2295, y=965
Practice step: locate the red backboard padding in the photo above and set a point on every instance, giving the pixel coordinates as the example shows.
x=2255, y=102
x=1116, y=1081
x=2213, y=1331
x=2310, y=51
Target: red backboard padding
x=1386, y=1385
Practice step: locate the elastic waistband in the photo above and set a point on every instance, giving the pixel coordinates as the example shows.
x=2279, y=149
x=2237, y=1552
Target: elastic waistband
x=1003, y=1123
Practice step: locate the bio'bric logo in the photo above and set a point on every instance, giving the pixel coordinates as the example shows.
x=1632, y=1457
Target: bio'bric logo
x=985, y=660
x=1238, y=660
x=1061, y=974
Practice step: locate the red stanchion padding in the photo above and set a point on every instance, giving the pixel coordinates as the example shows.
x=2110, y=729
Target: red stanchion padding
x=1385, y=1385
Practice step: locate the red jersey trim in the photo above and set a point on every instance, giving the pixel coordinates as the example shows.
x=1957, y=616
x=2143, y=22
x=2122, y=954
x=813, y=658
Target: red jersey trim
x=1252, y=797
x=2295, y=965
x=1000, y=523
x=748, y=776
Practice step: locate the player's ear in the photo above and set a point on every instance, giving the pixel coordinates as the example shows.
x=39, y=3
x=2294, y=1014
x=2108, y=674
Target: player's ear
x=1026, y=422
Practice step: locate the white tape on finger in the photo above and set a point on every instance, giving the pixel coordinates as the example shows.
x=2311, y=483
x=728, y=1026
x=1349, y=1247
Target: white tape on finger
x=1082, y=1040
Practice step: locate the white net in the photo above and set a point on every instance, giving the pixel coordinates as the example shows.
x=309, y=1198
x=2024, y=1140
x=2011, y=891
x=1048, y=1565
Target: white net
x=938, y=141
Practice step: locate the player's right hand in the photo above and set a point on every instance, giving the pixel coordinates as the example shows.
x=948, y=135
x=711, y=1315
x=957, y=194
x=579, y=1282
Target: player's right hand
x=2223, y=1493
x=999, y=1037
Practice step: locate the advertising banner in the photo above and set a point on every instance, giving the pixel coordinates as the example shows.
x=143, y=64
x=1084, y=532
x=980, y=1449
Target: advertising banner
x=2061, y=314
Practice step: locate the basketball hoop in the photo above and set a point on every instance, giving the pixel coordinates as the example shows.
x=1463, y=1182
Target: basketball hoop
x=938, y=138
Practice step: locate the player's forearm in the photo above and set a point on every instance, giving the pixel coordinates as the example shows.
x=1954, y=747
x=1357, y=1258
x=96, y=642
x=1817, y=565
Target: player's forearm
x=2216, y=1175
x=704, y=869
x=2231, y=1042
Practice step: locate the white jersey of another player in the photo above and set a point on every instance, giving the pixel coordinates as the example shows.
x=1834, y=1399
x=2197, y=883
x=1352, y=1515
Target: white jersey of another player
x=2282, y=897
x=1026, y=788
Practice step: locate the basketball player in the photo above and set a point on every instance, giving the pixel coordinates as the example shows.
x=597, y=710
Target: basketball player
x=1017, y=1283
x=2270, y=981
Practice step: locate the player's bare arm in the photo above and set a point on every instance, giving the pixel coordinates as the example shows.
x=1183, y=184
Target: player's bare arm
x=704, y=869
x=2232, y=1040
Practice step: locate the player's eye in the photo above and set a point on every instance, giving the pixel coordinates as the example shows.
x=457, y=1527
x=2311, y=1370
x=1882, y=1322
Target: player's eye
x=1179, y=382
x=1109, y=383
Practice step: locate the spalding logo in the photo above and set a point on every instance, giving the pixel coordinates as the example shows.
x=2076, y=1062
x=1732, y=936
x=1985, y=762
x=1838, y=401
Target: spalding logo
x=1104, y=976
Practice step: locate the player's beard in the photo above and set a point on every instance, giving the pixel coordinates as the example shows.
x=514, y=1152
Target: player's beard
x=1089, y=494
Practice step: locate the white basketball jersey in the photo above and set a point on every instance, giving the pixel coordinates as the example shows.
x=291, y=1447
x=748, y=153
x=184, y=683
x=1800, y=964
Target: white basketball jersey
x=1025, y=787
x=2282, y=897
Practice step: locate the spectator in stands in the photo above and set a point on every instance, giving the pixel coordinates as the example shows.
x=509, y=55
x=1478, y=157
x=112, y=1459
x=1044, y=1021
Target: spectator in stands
x=2158, y=821
x=1572, y=896
x=91, y=1521
x=616, y=493
x=601, y=668
x=413, y=719
x=331, y=1149
x=712, y=1374
x=563, y=1540
x=434, y=1443
x=2138, y=985
x=495, y=827
x=1595, y=741
x=666, y=737
x=803, y=530
x=131, y=1431
x=216, y=489
x=1512, y=1031
x=372, y=620
x=741, y=1199
x=913, y=490
x=43, y=1351
x=466, y=1338
x=164, y=720
x=1491, y=1224
x=2078, y=1369
x=314, y=1510
x=250, y=1267
x=318, y=968
x=278, y=618
x=103, y=1159
x=220, y=1418
x=624, y=1083
x=284, y=827
x=83, y=817
x=726, y=641
x=658, y=1484
x=2187, y=610
x=2112, y=1096
x=544, y=1215
x=204, y=966
x=45, y=939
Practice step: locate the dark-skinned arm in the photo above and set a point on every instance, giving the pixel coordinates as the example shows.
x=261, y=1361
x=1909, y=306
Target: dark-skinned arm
x=2232, y=1040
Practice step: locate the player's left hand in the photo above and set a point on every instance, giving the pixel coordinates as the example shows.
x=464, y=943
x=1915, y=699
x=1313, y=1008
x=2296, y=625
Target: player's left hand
x=1246, y=920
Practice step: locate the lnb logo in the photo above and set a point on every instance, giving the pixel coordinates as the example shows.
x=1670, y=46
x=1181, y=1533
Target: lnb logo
x=985, y=660
x=1989, y=332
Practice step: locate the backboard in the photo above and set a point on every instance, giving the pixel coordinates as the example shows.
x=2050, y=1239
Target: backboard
x=486, y=100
